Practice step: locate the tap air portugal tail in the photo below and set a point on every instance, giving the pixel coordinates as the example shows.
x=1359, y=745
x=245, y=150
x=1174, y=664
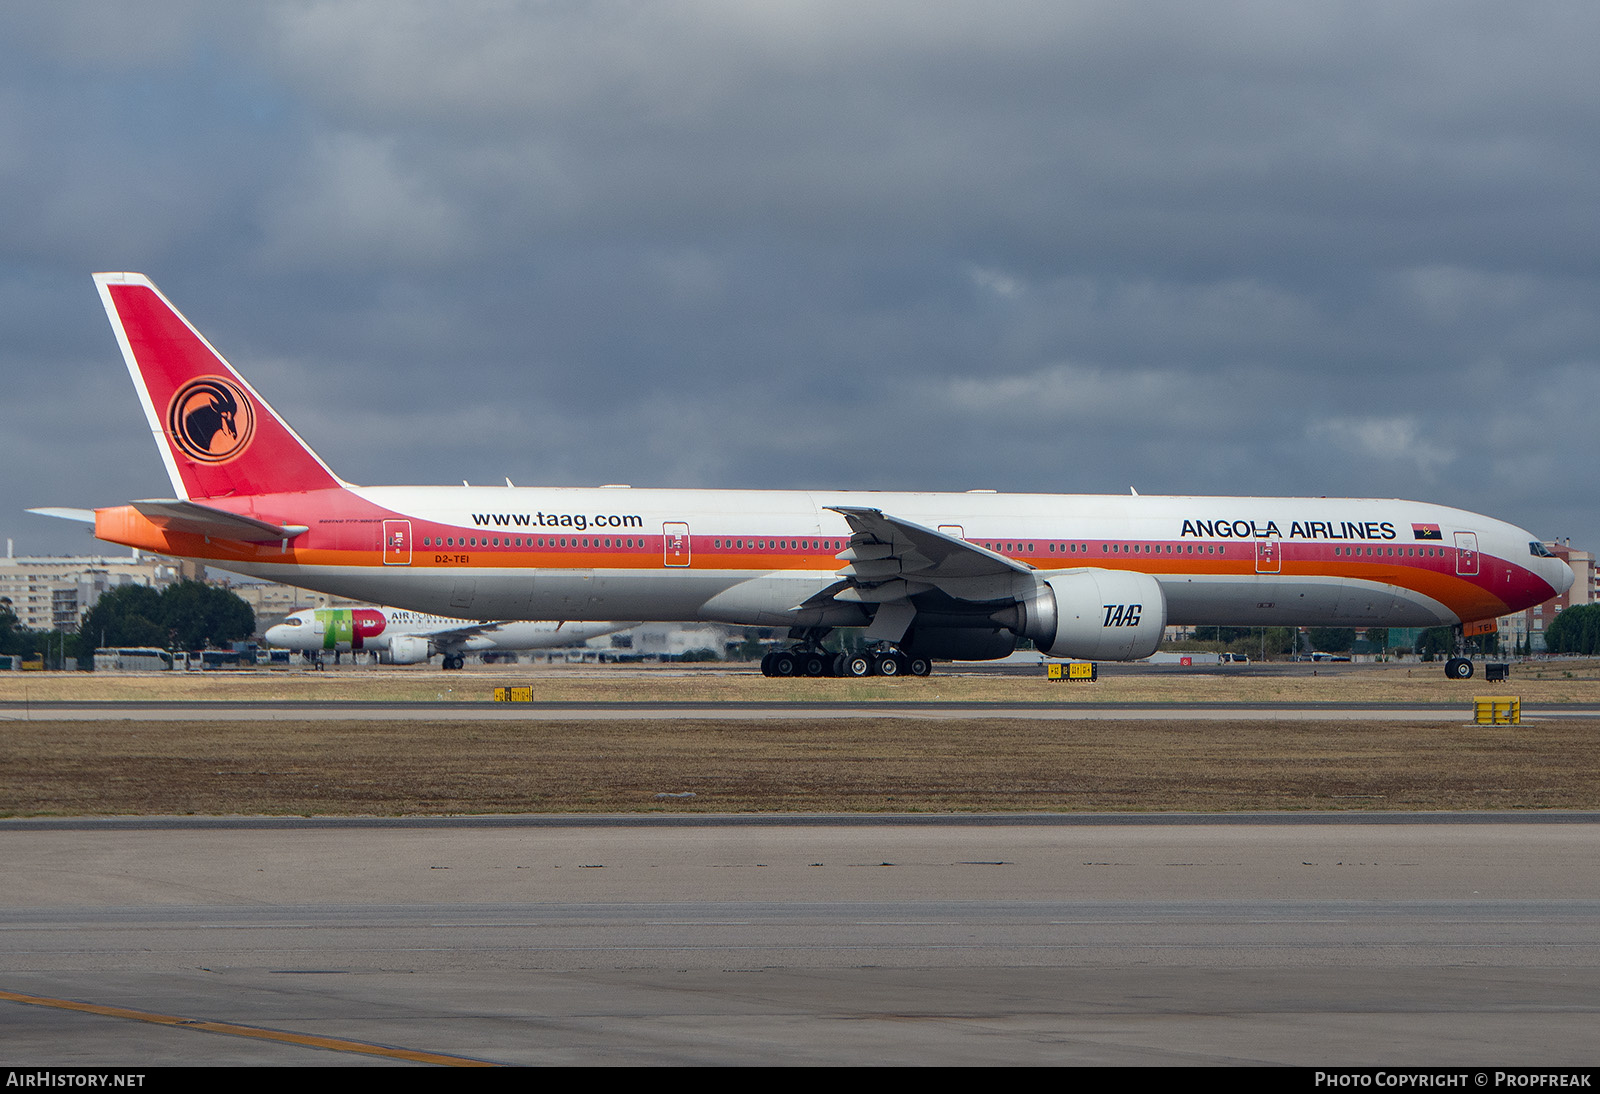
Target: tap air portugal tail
x=217, y=437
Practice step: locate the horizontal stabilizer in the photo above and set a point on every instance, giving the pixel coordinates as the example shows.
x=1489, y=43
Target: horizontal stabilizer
x=83, y=516
x=202, y=520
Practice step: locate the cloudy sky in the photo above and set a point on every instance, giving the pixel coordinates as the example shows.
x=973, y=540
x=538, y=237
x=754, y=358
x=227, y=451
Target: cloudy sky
x=1230, y=248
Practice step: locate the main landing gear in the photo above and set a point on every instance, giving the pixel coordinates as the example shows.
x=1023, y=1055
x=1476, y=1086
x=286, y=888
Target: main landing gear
x=455, y=661
x=815, y=661
x=883, y=661
x=799, y=661
x=805, y=658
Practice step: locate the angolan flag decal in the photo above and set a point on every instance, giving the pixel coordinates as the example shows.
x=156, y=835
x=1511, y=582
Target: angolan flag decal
x=1425, y=531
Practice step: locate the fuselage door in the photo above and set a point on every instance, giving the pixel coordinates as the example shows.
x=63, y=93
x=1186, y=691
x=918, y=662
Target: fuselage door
x=397, y=543
x=1269, y=555
x=1467, y=554
x=955, y=530
x=674, y=544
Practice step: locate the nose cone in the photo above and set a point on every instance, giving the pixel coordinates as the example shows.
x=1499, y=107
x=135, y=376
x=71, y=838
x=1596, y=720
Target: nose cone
x=279, y=636
x=1549, y=568
x=1559, y=575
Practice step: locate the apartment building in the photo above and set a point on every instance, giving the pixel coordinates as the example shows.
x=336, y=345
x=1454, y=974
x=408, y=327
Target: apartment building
x=51, y=592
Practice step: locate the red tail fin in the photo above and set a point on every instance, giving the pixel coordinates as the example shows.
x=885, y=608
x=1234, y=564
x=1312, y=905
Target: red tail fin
x=217, y=436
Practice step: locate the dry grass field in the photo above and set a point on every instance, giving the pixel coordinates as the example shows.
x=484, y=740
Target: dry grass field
x=298, y=766
x=402, y=768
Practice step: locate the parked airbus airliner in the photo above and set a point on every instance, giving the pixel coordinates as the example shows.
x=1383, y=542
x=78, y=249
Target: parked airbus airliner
x=929, y=575
x=409, y=638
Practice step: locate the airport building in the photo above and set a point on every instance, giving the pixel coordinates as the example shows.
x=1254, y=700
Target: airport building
x=678, y=639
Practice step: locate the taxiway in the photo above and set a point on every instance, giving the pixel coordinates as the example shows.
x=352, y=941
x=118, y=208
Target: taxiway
x=1461, y=939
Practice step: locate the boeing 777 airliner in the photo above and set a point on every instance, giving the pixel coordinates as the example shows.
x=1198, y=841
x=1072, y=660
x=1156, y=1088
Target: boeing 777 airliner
x=929, y=575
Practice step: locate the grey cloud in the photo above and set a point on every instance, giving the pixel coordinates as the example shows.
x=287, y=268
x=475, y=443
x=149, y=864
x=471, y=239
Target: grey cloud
x=1230, y=248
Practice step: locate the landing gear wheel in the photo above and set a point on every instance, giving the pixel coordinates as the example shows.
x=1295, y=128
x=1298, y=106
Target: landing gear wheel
x=454, y=661
x=783, y=664
x=890, y=663
x=1458, y=668
x=920, y=666
x=766, y=665
x=857, y=664
x=814, y=664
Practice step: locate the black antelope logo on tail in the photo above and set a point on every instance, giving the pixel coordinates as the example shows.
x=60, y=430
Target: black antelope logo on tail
x=211, y=419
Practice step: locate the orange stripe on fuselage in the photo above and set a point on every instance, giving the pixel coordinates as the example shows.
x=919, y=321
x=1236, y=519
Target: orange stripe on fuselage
x=1469, y=597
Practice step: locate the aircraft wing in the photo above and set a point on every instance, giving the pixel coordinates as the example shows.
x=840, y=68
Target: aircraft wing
x=892, y=559
x=203, y=520
x=450, y=635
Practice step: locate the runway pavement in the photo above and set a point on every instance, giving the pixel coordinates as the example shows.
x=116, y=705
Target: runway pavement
x=1388, y=939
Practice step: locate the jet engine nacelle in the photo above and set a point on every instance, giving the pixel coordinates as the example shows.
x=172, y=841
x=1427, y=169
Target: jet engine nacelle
x=1096, y=615
x=408, y=649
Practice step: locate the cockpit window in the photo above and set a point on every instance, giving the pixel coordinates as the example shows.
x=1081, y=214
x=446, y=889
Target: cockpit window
x=1539, y=550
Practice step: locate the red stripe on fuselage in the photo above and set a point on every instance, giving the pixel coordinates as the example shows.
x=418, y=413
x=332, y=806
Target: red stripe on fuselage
x=349, y=529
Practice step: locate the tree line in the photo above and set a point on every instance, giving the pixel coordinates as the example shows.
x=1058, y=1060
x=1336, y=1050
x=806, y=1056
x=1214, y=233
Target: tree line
x=1575, y=630
x=23, y=642
x=189, y=615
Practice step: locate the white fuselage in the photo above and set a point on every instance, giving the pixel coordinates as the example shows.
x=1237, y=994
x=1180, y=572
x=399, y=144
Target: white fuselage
x=375, y=628
x=756, y=557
